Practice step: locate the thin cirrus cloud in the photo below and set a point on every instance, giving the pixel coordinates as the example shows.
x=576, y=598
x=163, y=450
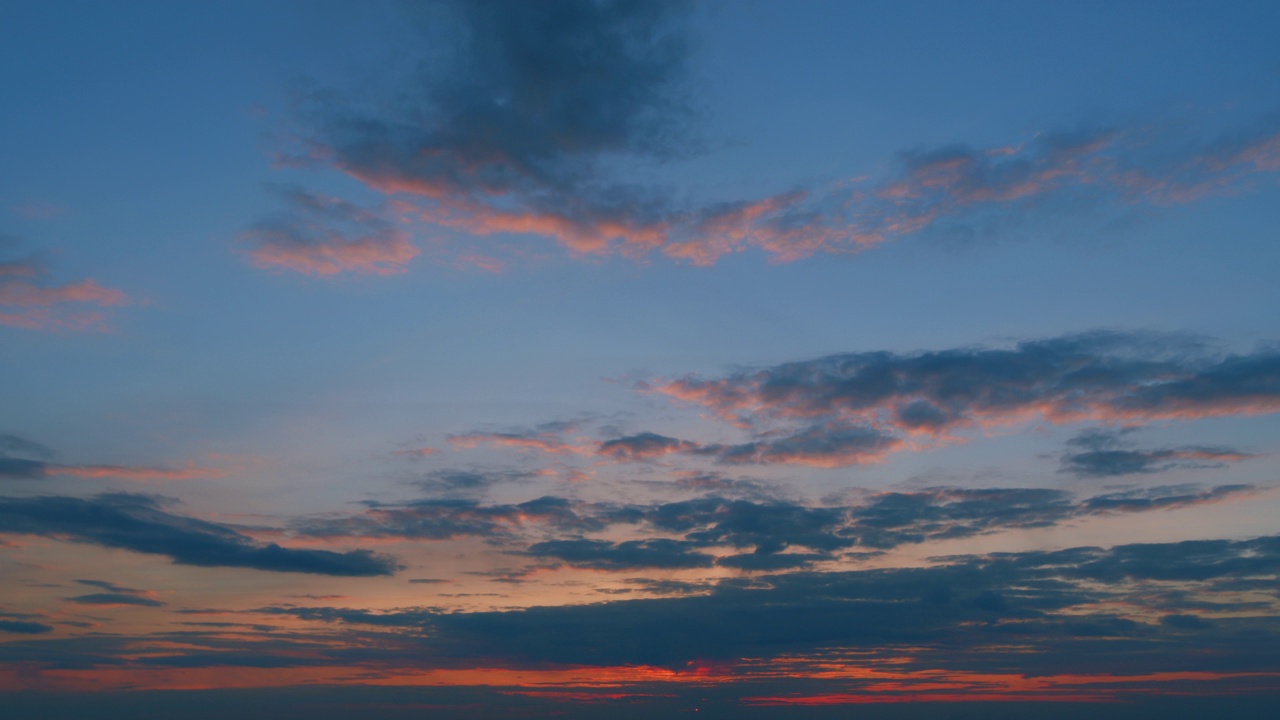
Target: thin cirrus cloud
x=29, y=300
x=858, y=407
x=139, y=524
x=517, y=134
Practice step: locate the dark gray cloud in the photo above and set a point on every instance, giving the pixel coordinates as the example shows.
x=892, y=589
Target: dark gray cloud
x=510, y=128
x=643, y=446
x=457, y=483
x=523, y=116
x=533, y=95
x=1185, y=622
x=777, y=533
x=628, y=555
x=892, y=519
x=22, y=459
x=115, y=595
x=22, y=468
x=1102, y=452
x=969, y=619
x=1158, y=498
x=844, y=409
x=443, y=518
x=833, y=444
x=24, y=627
x=955, y=608
x=12, y=445
x=138, y=523
x=110, y=599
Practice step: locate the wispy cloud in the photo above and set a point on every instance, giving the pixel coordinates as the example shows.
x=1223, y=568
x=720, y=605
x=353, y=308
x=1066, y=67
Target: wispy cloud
x=325, y=236
x=964, y=610
x=855, y=408
x=140, y=524
x=114, y=596
x=521, y=130
x=28, y=299
x=1102, y=452
x=777, y=533
x=22, y=459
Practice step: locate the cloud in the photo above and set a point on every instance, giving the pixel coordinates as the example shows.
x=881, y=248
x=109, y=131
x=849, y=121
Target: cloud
x=137, y=523
x=857, y=407
x=115, y=596
x=28, y=300
x=23, y=627
x=464, y=482
x=114, y=600
x=778, y=533
x=1185, y=622
x=14, y=445
x=36, y=464
x=515, y=129
x=1103, y=453
x=21, y=468
x=628, y=555
x=644, y=446
x=533, y=96
x=325, y=236
x=965, y=610
x=827, y=445
x=445, y=518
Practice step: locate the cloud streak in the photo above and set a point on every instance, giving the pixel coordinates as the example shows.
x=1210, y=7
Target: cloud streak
x=856, y=407
x=22, y=459
x=777, y=534
x=29, y=300
x=1102, y=453
x=139, y=524
x=326, y=236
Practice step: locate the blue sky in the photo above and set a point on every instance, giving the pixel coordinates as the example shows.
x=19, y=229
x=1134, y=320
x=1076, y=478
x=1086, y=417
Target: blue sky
x=614, y=316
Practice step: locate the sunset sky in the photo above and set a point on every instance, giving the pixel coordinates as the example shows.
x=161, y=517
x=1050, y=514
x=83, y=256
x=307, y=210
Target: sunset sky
x=634, y=359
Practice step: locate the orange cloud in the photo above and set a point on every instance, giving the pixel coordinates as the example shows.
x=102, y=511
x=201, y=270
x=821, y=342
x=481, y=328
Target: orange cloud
x=190, y=471
x=373, y=256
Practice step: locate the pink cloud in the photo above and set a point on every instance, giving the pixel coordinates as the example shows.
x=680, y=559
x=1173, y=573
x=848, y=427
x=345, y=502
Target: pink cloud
x=189, y=471
x=26, y=302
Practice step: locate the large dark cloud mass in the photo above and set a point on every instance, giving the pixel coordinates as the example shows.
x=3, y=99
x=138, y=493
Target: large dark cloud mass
x=140, y=524
x=534, y=94
x=956, y=608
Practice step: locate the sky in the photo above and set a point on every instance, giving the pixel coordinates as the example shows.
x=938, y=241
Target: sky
x=653, y=359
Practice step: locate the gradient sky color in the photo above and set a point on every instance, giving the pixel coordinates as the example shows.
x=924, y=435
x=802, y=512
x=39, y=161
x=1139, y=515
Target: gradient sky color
x=746, y=359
